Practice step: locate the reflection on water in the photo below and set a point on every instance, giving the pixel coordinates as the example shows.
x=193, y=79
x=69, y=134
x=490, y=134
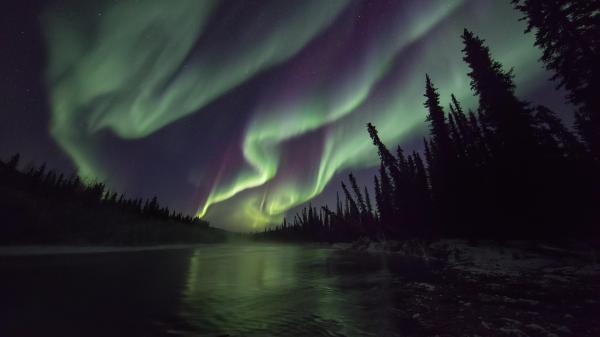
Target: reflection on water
x=213, y=290
x=286, y=290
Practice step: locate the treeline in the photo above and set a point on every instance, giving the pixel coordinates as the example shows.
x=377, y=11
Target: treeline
x=42, y=206
x=509, y=169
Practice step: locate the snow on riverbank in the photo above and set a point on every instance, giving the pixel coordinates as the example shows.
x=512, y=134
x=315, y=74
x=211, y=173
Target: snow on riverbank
x=498, y=290
x=510, y=259
x=519, y=258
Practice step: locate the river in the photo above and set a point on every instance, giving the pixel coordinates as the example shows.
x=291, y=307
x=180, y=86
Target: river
x=210, y=290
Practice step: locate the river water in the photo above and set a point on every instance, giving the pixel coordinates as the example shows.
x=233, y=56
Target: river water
x=212, y=290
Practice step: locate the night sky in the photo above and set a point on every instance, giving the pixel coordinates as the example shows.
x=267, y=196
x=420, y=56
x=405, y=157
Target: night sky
x=239, y=111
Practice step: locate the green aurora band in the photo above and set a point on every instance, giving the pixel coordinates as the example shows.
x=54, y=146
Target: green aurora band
x=135, y=67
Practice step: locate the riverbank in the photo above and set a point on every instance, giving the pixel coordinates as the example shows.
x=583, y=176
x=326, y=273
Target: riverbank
x=76, y=250
x=514, y=289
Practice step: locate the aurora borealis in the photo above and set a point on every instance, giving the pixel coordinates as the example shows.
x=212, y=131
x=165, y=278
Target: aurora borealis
x=242, y=110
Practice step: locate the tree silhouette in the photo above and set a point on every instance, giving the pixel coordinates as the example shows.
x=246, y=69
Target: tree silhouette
x=508, y=170
x=507, y=118
x=41, y=206
x=568, y=32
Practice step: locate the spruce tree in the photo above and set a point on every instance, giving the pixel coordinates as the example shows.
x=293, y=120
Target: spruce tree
x=386, y=207
x=568, y=32
x=442, y=169
x=368, y=202
x=438, y=126
x=428, y=154
x=480, y=148
x=353, y=208
x=563, y=140
x=456, y=137
x=359, y=198
x=508, y=119
x=378, y=197
x=339, y=210
x=387, y=158
x=422, y=197
x=509, y=131
x=464, y=135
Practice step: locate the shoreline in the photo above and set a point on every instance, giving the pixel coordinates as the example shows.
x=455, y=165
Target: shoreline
x=40, y=250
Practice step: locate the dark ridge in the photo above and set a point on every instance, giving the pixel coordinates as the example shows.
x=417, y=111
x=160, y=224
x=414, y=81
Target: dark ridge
x=40, y=206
